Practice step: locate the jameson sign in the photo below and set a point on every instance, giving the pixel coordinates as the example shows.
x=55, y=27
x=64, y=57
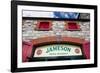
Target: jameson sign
x=57, y=50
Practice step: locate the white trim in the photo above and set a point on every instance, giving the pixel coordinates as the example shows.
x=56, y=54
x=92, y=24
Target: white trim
x=53, y=63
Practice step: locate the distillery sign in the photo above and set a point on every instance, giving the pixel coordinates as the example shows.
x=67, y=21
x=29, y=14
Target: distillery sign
x=57, y=50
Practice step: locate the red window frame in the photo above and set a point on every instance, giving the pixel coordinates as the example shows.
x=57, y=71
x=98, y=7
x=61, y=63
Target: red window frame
x=44, y=28
x=72, y=26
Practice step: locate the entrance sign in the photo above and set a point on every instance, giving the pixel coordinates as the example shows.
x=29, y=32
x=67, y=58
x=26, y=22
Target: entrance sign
x=57, y=50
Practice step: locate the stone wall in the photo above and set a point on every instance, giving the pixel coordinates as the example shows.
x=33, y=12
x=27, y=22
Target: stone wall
x=29, y=32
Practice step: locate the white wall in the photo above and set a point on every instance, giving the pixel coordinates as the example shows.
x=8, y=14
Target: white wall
x=5, y=37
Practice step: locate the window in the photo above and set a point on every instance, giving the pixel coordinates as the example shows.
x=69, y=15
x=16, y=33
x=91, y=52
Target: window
x=72, y=26
x=44, y=25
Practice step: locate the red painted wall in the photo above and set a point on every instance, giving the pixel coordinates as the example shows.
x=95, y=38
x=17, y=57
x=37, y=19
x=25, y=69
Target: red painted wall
x=27, y=46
